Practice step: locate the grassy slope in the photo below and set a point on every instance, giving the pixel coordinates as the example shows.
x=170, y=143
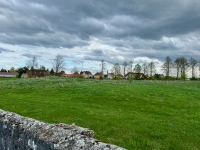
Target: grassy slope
x=140, y=115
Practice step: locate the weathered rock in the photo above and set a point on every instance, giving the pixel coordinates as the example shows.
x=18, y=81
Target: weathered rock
x=17, y=132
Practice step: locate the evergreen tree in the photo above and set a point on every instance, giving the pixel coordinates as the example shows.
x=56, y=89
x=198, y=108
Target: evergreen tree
x=52, y=73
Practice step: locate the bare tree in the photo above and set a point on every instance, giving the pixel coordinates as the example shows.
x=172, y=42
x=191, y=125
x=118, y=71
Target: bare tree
x=137, y=68
x=184, y=65
x=145, y=68
x=193, y=63
x=167, y=66
x=32, y=63
x=152, y=68
x=181, y=65
x=130, y=66
x=125, y=64
x=177, y=64
x=58, y=63
x=116, y=69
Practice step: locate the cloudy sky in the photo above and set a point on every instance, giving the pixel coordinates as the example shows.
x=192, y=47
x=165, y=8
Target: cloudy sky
x=86, y=31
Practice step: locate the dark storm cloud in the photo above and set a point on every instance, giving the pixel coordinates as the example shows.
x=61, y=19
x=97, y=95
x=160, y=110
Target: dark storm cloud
x=149, y=19
x=134, y=28
x=95, y=55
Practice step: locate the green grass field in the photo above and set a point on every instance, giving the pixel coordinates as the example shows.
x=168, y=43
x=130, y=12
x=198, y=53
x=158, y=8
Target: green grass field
x=137, y=115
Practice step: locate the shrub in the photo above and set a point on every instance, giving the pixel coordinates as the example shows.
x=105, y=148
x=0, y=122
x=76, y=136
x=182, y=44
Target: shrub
x=183, y=76
x=193, y=78
x=168, y=78
x=80, y=76
x=117, y=78
x=30, y=74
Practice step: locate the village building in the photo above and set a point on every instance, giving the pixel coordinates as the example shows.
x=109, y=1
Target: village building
x=136, y=75
x=110, y=75
x=34, y=73
x=98, y=75
x=76, y=75
x=8, y=74
x=86, y=74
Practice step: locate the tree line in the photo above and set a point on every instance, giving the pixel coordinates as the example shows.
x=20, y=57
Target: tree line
x=58, y=65
x=178, y=67
x=170, y=68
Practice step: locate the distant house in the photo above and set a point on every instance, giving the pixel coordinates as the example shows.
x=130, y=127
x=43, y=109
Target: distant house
x=8, y=74
x=147, y=76
x=136, y=75
x=118, y=76
x=70, y=75
x=98, y=75
x=86, y=74
x=110, y=76
x=35, y=73
x=24, y=75
x=67, y=75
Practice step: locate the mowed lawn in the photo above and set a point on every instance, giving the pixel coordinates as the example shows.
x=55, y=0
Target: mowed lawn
x=137, y=115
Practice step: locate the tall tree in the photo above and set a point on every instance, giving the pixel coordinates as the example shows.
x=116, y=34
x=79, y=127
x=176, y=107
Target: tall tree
x=145, y=68
x=125, y=64
x=116, y=69
x=137, y=68
x=32, y=63
x=130, y=66
x=167, y=66
x=58, y=63
x=177, y=64
x=152, y=68
x=184, y=64
x=193, y=63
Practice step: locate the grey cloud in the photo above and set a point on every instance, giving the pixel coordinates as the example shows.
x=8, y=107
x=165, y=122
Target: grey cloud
x=95, y=55
x=5, y=50
x=29, y=55
x=134, y=28
x=148, y=20
x=97, y=52
x=90, y=58
x=45, y=40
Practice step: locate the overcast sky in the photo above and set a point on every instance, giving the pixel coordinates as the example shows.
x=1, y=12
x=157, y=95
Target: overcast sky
x=90, y=30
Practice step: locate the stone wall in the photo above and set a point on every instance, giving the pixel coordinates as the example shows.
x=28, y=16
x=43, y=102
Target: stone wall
x=21, y=133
